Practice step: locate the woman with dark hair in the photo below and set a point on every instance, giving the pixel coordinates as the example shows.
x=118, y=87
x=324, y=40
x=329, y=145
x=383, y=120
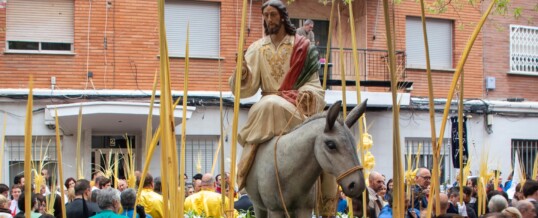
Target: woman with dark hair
x=389, y=186
x=70, y=183
x=105, y=183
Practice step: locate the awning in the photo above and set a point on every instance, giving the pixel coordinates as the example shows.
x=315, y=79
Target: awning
x=107, y=116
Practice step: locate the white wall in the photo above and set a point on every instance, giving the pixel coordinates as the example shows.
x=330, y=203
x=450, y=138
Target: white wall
x=205, y=121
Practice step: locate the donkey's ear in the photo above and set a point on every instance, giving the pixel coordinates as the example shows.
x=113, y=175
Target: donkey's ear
x=354, y=115
x=332, y=114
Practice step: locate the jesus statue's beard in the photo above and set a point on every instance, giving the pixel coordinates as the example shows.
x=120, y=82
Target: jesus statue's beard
x=274, y=29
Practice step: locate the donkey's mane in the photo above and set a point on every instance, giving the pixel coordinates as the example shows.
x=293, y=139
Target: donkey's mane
x=316, y=117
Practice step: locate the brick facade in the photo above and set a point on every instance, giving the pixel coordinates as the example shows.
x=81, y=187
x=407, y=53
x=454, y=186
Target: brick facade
x=131, y=58
x=497, y=54
x=441, y=80
x=373, y=25
x=132, y=53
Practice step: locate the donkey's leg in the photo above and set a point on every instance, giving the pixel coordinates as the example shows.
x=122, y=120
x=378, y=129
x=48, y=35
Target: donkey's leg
x=260, y=213
x=304, y=213
x=277, y=214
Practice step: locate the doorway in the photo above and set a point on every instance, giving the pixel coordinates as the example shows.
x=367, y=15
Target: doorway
x=107, y=150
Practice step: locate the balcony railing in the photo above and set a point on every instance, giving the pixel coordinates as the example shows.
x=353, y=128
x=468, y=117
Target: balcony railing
x=373, y=64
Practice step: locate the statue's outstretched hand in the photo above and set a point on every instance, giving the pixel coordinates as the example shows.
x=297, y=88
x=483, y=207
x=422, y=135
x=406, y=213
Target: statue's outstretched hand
x=244, y=66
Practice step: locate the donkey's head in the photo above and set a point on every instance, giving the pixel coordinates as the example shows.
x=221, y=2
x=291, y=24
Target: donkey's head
x=336, y=152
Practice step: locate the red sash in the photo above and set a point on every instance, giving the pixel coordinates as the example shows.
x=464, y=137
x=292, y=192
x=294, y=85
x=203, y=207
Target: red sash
x=297, y=61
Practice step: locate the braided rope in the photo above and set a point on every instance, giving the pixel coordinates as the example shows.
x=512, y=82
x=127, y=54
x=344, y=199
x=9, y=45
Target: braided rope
x=348, y=172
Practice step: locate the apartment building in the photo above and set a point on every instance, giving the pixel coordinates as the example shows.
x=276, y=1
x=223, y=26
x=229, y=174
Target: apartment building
x=103, y=55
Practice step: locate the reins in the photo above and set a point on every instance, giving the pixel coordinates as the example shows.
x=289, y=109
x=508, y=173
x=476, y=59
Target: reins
x=348, y=172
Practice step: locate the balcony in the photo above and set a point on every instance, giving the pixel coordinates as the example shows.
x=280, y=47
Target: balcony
x=373, y=67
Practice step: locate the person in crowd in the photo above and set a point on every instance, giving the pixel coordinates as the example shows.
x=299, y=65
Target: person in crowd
x=16, y=191
x=375, y=203
x=41, y=204
x=197, y=185
x=497, y=192
x=19, y=180
x=512, y=212
x=4, y=190
x=422, y=188
x=197, y=176
x=104, y=183
x=454, y=197
x=307, y=31
x=190, y=191
x=43, y=190
x=70, y=183
x=4, y=207
x=57, y=206
x=46, y=176
x=149, y=199
x=157, y=185
x=472, y=183
x=207, y=201
x=497, y=203
x=518, y=194
x=530, y=191
x=443, y=204
x=381, y=194
x=218, y=182
x=508, y=182
x=122, y=185
x=97, y=177
x=390, y=185
x=70, y=195
x=81, y=207
x=498, y=173
x=33, y=205
x=128, y=201
x=109, y=203
x=342, y=202
x=526, y=208
x=244, y=203
x=94, y=195
x=410, y=212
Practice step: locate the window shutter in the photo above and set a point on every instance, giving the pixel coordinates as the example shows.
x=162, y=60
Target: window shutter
x=204, y=28
x=439, y=41
x=40, y=21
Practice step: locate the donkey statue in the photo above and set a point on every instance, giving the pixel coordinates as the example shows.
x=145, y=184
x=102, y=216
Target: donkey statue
x=321, y=143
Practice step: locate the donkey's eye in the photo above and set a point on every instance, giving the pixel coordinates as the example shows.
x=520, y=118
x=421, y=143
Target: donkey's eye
x=331, y=145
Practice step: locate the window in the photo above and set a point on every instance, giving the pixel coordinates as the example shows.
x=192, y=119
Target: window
x=199, y=150
x=439, y=41
x=44, y=26
x=204, y=28
x=41, y=145
x=426, y=156
x=524, y=49
x=527, y=153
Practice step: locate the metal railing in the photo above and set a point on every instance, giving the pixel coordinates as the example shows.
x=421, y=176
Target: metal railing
x=373, y=64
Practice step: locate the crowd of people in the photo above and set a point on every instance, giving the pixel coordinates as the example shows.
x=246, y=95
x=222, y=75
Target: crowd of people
x=523, y=203
x=98, y=198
